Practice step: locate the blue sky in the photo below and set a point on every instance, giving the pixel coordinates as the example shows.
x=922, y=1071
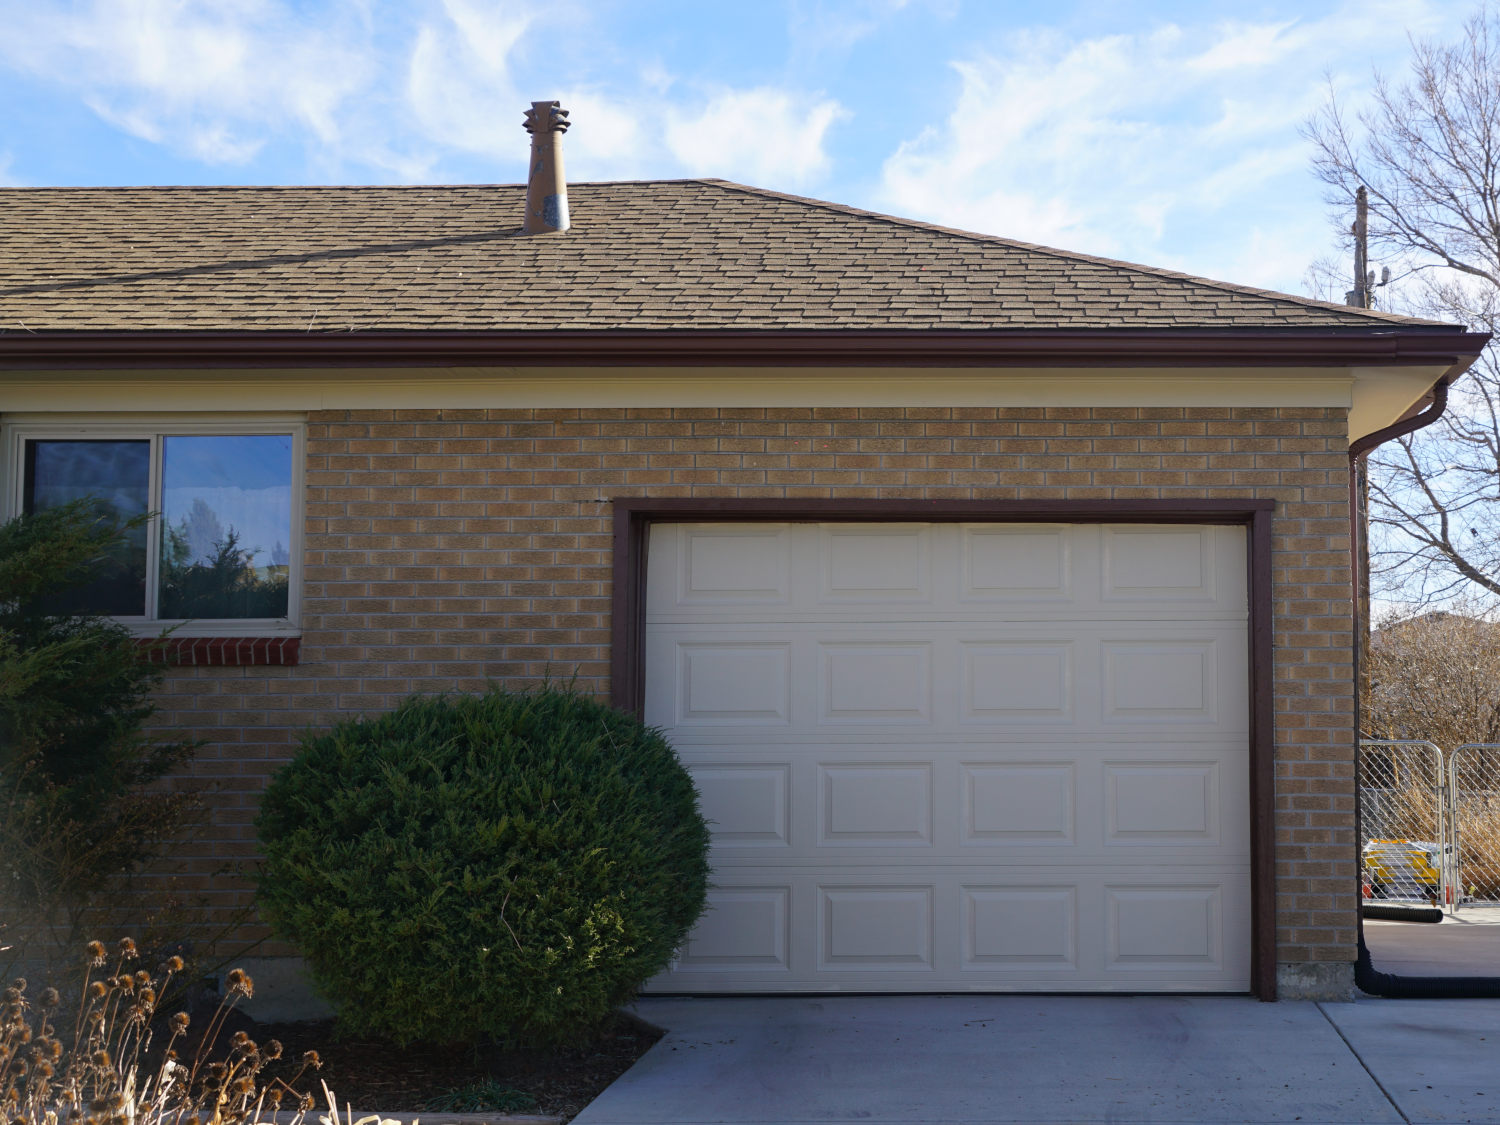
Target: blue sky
x=1158, y=132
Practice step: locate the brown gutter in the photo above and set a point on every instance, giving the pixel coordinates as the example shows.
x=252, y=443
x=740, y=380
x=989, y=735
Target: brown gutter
x=1445, y=347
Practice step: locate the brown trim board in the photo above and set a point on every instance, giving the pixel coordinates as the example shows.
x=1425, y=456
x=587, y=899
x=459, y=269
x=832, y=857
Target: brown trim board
x=1443, y=346
x=633, y=517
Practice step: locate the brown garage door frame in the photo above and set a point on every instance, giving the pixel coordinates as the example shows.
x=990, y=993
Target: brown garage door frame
x=633, y=517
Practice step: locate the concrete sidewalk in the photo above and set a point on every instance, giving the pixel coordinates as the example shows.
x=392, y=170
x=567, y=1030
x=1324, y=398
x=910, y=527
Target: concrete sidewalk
x=973, y=1060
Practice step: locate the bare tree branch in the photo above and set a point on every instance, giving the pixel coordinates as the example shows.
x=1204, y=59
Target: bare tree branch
x=1428, y=152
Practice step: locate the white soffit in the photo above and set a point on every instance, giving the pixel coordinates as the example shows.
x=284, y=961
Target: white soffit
x=1383, y=394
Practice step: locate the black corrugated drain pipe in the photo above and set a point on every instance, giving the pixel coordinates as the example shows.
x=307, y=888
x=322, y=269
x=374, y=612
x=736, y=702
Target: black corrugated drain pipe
x=1366, y=975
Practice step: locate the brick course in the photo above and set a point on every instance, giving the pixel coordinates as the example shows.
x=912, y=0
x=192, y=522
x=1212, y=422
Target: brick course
x=444, y=549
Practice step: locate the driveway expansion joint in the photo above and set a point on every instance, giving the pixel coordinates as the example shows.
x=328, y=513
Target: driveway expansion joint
x=1373, y=1076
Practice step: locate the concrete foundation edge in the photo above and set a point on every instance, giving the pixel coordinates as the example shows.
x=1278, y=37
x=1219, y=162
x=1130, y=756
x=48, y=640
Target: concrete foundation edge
x=284, y=992
x=1315, y=980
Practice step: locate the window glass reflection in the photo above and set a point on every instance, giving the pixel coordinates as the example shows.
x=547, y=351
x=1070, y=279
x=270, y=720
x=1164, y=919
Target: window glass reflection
x=115, y=476
x=226, y=526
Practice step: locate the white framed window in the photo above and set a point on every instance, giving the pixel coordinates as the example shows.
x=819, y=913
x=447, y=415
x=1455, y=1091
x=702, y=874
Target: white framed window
x=221, y=554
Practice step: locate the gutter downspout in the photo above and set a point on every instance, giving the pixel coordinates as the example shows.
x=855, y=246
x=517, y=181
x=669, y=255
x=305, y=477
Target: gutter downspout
x=1366, y=976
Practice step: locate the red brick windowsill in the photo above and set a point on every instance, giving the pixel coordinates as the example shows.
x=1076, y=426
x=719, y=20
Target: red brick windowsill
x=237, y=652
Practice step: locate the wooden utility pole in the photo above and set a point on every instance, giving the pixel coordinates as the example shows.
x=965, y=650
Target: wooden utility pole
x=1359, y=296
x=1359, y=482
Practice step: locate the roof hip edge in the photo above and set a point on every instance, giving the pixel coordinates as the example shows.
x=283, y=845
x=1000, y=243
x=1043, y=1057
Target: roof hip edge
x=1355, y=315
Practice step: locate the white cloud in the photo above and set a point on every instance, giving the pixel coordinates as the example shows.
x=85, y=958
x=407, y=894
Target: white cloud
x=217, y=143
x=407, y=91
x=1040, y=136
x=212, y=81
x=1146, y=146
x=1243, y=45
x=459, y=84
x=830, y=25
x=765, y=136
x=609, y=141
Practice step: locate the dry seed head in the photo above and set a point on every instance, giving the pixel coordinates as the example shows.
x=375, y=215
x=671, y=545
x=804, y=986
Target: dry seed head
x=245, y=1086
x=49, y=999
x=239, y=981
x=174, y=964
x=180, y=1023
x=313, y=1059
x=98, y=991
x=95, y=953
x=239, y=1039
x=127, y=947
x=101, y=1058
x=273, y=1050
x=19, y=984
x=142, y=977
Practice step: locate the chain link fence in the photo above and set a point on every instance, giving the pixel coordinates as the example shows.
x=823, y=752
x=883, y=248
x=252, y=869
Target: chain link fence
x=1474, y=815
x=1401, y=805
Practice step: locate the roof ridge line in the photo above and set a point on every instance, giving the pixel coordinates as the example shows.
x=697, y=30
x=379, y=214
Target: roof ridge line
x=1071, y=255
x=520, y=185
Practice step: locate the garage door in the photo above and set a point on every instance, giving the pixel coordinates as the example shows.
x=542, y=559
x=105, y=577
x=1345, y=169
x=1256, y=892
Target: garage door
x=945, y=757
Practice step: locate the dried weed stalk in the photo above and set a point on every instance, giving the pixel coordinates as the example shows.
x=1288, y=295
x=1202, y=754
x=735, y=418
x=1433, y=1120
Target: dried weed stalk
x=94, y=1065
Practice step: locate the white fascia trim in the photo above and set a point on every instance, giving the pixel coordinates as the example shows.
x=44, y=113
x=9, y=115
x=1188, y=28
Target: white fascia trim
x=453, y=388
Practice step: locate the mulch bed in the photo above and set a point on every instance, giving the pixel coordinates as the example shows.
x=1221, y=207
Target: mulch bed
x=372, y=1074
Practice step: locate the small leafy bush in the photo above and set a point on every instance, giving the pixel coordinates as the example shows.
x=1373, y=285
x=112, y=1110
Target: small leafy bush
x=510, y=866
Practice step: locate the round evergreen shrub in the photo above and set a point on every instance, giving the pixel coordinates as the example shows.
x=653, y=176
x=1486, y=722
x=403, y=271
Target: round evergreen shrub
x=506, y=865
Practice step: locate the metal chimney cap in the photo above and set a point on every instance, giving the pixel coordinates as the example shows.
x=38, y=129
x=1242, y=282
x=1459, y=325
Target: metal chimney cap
x=546, y=117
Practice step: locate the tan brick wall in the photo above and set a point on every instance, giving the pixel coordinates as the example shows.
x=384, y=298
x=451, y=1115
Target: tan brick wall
x=447, y=548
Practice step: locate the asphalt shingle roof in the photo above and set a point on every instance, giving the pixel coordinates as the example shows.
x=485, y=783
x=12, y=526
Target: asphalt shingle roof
x=684, y=254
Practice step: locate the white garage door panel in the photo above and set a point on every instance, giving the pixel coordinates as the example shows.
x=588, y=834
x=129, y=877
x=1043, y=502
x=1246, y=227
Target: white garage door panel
x=1078, y=675
x=969, y=928
x=925, y=804
x=941, y=756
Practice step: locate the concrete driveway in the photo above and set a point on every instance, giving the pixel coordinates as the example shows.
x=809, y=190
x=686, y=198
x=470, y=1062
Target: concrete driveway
x=920, y=1060
x=1466, y=944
